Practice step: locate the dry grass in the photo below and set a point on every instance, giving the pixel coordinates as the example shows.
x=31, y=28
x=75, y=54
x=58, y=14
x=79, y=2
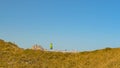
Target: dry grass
x=11, y=56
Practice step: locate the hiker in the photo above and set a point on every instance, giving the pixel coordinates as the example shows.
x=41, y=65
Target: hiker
x=51, y=46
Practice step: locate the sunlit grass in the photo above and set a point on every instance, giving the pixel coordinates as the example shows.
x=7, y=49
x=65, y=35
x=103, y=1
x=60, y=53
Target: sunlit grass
x=11, y=56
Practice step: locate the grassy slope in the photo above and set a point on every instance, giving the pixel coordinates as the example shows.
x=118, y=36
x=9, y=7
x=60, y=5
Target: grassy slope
x=11, y=56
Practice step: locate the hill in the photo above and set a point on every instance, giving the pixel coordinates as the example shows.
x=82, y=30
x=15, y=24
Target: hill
x=11, y=56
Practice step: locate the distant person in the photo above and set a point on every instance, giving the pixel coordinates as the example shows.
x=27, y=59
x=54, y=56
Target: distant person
x=51, y=46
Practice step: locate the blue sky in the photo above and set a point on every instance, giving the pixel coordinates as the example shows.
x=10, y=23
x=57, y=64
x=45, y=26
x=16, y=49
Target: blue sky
x=81, y=24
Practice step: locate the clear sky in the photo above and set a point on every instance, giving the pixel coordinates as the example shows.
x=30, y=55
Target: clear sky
x=68, y=24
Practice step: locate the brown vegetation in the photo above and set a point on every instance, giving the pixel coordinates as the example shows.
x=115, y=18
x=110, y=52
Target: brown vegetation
x=11, y=56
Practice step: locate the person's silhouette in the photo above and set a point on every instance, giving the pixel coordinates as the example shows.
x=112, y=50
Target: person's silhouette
x=51, y=46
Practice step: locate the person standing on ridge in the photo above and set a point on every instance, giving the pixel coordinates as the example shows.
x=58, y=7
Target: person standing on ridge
x=51, y=46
